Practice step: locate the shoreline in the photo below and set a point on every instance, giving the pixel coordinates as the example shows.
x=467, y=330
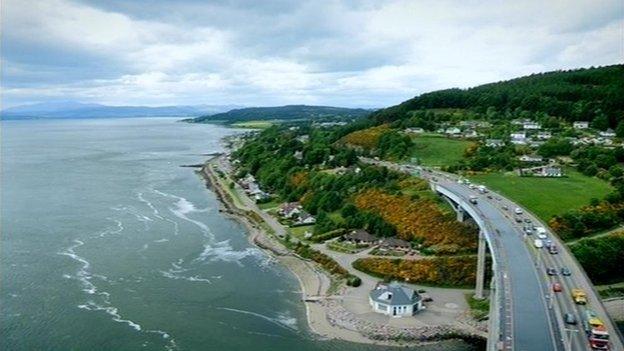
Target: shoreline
x=326, y=317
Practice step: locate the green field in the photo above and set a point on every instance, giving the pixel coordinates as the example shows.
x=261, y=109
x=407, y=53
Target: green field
x=434, y=150
x=546, y=196
x=253, y=124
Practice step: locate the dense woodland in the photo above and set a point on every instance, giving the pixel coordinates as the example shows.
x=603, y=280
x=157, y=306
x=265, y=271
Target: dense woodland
x=289, y=112
x=593, y=94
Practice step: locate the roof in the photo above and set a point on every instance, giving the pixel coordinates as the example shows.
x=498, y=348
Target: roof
x=289, y=206
x=394, y=242
x=394, y=294
x=361, y=235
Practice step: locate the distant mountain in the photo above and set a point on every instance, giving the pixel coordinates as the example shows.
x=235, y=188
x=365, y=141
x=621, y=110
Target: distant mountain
x=72, y=109
x=289, y=112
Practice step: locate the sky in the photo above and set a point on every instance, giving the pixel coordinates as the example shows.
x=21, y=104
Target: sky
x=267, y=53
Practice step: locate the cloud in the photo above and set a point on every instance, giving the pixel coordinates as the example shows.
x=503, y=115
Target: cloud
x=350, y=53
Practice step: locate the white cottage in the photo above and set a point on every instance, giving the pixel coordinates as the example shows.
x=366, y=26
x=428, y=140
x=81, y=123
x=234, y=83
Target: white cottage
x=395, y=300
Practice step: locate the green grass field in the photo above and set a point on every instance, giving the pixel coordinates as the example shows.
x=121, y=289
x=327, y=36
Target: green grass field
x=253, y=124
x=434, y=150
x=546, y=196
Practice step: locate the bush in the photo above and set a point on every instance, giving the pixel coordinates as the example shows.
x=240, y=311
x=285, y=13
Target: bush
x=354, y=281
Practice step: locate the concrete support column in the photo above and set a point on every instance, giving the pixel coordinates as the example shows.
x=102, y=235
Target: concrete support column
x=480, y=267
x=461, y=214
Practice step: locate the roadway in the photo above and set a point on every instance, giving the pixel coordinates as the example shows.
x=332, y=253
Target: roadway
x=532, y=313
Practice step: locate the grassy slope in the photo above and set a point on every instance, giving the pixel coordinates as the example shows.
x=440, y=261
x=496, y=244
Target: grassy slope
x=438, y=150
x=253, y=124
x=547, y=196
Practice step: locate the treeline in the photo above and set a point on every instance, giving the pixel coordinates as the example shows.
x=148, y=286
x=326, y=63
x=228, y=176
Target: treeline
x=380, y=141
x=581, y=94
x=327, y=263
x=601, y=257
x=456, y=271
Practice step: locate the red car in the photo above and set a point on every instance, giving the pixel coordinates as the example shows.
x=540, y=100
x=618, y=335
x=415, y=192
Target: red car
x=556, y=287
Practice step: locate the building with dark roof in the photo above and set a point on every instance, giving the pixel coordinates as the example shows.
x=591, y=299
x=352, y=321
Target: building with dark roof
x=360, y=236
x=394, y=300
x=395, y=244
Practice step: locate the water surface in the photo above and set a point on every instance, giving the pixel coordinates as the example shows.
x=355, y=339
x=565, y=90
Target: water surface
x=107, y=244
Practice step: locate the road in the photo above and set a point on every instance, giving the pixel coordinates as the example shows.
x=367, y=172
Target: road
x=531, y=313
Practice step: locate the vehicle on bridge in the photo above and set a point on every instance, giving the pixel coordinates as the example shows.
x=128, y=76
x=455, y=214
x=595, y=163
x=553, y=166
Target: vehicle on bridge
x=473, y=200
x=538, y=243
x=579, y=296
x=596, y=332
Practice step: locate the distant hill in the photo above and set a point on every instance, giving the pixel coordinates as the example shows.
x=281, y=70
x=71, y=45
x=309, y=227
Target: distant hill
x=71, y=109
x=289, y=112
x=580, y=94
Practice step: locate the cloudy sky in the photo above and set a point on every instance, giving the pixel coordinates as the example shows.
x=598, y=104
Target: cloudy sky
x=261, y=53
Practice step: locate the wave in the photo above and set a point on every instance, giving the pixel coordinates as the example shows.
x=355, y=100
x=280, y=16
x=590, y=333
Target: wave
x=134, y=212
x=157, y=213
x=118, y=228
x=83, y=275
x=279, y=320
x=184, y=207
x=223, y=251
x=174, y=273
x=163, y=240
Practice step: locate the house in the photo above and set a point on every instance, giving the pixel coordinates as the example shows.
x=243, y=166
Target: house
x=414, y=130
x=471, y=134
x=530, y=158
x=452, y=131
x=609, y=133
x=394, y=300
x=544, y=135
x=494, y=143
x=580, y=125
x=395, y=244
x=530, y=125
x=360, y=236
x=290, y=209
x=303, y=138
x=542, y=171
x=518, y=138
x=305, y=218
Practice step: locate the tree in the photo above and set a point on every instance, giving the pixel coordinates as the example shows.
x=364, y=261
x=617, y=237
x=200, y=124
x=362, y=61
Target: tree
x=619, y=131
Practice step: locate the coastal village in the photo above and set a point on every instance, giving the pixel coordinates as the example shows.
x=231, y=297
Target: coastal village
x=366, y=307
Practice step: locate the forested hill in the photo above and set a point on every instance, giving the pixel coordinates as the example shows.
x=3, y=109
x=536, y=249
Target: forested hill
x=580, y=94
x=289, y=112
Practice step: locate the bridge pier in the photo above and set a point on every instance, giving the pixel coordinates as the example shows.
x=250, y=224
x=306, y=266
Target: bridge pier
x=461, y=214
x=480, y=267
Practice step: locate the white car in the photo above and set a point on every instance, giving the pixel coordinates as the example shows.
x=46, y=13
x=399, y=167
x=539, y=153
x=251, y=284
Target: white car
x=542, y=236
x=518, y=210
x=538, y=243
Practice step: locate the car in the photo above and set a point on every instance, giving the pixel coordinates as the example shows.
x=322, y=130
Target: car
x=538, y=243
x=565, y=271
x=489, y=197
x=526, y=220
x=551, y=271
x=556, y=287
x=548, y=243
x=569, y=318
x=505, y=207
x=518, y=210
x=498, y=198
x=552, y=249
x=542, y=236
x=518, y=219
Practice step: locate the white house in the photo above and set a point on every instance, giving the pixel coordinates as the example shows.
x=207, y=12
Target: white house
x=531, y=158
x=305, y=218
x=471, y=134
x=530, y=125
x=394, y=300
x=544, y=135
x=580, y=125
x=494, y=143
x=609, y=133
x=290, y=209
x=518, y=138
x=453, y=131
x=414, y=130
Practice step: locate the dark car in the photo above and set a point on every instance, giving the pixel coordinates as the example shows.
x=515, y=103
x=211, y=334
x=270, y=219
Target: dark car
x=565, y=271
x=552, y=249
x=569, y=318
x=551, y=271
x=518, y=219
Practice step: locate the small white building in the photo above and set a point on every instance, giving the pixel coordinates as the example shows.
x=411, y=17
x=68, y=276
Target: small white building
x=530, y=125
x=609, y=133
x=544, y=135
x=580, y=125
x=518, y=138
x=530, y=158
x=394, y=300
x=290, y=209
x=453, y=131
x=414, y=130
x=494, y=143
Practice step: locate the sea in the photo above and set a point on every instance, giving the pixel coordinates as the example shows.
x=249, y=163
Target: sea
x=107, y=243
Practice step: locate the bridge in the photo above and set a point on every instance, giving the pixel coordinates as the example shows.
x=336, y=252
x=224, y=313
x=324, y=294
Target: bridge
x=525, y=313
